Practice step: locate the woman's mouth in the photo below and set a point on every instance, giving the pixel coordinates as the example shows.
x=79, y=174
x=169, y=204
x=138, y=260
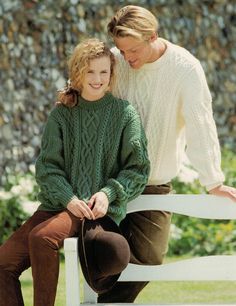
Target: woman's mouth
x=96, y=86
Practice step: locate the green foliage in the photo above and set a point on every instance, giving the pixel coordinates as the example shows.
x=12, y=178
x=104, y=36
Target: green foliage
x=229, y=167
x=17, y=191
x=22, y=185
x=204, y=237
x=11, y=217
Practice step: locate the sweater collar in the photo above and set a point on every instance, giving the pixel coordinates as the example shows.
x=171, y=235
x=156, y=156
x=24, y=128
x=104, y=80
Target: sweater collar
x=106, y=99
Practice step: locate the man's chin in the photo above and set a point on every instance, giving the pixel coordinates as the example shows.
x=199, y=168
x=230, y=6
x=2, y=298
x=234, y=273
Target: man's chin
x=135, y=65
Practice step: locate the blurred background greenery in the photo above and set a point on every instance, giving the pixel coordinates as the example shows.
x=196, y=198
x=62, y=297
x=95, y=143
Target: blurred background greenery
x=202, y=236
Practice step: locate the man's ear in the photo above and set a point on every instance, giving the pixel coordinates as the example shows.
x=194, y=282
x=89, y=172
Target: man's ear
x=153, y=37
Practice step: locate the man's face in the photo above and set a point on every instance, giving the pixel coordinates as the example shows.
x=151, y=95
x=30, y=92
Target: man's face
x=135, y=52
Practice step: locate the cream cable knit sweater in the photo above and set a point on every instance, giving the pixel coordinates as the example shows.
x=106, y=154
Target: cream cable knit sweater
x=175, y=105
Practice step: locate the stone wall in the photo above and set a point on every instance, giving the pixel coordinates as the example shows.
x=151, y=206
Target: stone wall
x=36, y=37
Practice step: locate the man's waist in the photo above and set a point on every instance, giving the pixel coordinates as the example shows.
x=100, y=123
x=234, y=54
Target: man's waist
x=158, y=189
x=152, y=182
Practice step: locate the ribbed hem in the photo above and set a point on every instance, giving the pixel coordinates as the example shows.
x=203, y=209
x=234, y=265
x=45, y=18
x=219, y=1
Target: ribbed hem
x=212, y=186
x=65, y=198
x=110, y=192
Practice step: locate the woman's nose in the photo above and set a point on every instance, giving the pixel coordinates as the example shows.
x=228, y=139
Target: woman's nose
x=97, y=78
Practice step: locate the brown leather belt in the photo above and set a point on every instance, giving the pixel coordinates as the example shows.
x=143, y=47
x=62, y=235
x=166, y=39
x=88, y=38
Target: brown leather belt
x=158, y=189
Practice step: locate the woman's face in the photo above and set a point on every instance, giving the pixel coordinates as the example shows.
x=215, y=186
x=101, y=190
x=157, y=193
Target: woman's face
x=97, y=79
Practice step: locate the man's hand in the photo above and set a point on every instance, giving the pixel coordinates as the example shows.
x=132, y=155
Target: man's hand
x=224, y=191
x=99, y=204
x=80, y=209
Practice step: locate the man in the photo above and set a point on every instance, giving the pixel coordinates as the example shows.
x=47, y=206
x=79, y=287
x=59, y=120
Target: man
x=168, y=87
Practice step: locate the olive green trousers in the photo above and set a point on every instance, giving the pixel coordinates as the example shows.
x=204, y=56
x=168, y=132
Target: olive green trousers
x=147, y=233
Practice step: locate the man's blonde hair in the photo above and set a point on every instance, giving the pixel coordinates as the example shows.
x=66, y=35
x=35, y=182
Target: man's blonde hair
x=134, y=21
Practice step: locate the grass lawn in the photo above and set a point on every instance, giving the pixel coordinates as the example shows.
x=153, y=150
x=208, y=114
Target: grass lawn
x=155, y=292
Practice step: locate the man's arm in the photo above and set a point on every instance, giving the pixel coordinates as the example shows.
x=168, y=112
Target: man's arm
x=203, y=147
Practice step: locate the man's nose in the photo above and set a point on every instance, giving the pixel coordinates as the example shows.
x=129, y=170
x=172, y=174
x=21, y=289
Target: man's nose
x=127, y=56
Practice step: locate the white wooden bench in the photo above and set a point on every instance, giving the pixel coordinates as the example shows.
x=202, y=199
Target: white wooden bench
x=205, y=268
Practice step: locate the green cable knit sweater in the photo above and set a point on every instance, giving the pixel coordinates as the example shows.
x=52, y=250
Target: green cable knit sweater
x=94, y=146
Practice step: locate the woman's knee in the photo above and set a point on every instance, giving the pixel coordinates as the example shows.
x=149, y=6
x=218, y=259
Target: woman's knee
x=38, y=237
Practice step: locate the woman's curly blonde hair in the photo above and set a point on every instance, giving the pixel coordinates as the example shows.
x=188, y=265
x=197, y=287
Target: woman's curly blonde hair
x=78, y=65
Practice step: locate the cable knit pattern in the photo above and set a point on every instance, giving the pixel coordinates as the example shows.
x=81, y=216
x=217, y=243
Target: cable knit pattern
x=94, y=146
x=175, y=106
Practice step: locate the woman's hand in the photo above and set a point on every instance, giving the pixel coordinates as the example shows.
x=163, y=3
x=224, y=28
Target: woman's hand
x=80, y=209
x=99, y=204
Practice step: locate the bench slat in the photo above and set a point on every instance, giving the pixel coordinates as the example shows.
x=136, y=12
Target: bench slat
x=205, y=268
x=203, y=206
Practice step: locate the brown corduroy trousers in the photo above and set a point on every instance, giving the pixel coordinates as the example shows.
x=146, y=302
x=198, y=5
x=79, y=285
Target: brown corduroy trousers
x=147, y=233
x=36, y=244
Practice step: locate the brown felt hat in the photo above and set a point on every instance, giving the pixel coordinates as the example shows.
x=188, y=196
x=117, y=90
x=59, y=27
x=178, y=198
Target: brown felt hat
x=104, y=253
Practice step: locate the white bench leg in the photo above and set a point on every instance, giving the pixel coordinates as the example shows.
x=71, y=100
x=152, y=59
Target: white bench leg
x=72, y=272
x=90, y=296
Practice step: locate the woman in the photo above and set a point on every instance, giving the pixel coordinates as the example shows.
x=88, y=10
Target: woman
x=93, y=160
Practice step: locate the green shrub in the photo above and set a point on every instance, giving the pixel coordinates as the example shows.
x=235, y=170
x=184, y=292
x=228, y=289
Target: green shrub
x=11, y=217
x=17, y=191
x=201, y=236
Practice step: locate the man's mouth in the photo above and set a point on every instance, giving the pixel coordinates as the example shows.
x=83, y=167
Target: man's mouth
x=132, y=62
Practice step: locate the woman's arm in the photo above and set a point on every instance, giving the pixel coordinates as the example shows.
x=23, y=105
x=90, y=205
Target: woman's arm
x=50, y=167
x=134, y=164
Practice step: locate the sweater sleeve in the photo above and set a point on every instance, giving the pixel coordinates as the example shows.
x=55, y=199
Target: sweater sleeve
x=203, y=148
x=50, y=173
x=135, y=166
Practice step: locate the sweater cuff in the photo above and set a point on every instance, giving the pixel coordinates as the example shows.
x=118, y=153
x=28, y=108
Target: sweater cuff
x=65, y=198
x=212, y=186
x=110, y=192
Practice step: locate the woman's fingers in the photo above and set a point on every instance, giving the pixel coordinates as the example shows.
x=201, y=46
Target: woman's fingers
x=87, y=212
x=80, y=209
x=100, y=204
